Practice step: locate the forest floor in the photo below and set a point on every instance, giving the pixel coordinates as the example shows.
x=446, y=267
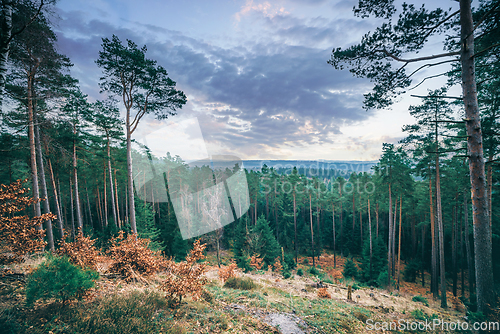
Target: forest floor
x=276, y=305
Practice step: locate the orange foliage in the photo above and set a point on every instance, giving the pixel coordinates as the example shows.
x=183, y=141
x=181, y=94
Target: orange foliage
x=132, y=258
x=19, y=235
x=80, y=252
x=256, y=262
x=185, y=277
x=226, y=272
x=277, y=265
x=323, y=293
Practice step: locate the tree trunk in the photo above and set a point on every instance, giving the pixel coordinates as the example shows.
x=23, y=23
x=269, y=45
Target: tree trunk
x=399, y=237
x=312, y=230
x=105, y=199
x=43, y=185
x=370, y=235
x=482, y=232
x=118, y=207
x=295, y=227
x=439, y=214
x=360, y=225
x=423, y=256
x=31, y=135
x=341, y=223
x=394, y=238
x=75, y=182
x=468, y=248
x=56, y=199
x=88, y=204
x=131, y=201
x=72, y=209
x=434, y=286
x=389, y=242
x=454, y=248
x=334, y=245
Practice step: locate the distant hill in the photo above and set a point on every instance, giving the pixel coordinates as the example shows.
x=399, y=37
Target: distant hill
x=322, y=166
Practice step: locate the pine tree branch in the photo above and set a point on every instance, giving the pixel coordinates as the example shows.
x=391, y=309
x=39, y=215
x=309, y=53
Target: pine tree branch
x=412, y=60
x=431, y=29
x=437, y=96
x=486, y=49
x=33, y=18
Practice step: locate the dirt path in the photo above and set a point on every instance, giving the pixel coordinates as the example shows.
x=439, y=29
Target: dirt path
x=286, y=323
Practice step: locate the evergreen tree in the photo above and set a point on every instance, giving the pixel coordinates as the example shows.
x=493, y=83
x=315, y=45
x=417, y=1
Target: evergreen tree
x=371, y=270
x=146, y=228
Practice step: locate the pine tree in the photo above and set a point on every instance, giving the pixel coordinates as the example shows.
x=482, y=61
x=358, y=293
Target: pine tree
x=146, y=228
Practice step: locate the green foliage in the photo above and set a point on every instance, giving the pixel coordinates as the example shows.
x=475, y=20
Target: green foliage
x=382, y=279
x=350, y=269
x=300, y=272
x=146, y=228
x=476, y=316
x=420, y=299
x=240, y=283
x=58, y=278
x=313, y=271
x=421, y=315
x=289, y=261
x=411, y=270
x=258, y=240
x=286, y=275
x=129, y=312
x=378, y=261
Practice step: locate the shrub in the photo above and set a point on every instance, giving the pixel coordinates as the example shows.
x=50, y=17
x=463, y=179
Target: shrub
x=132, y=257
x=226, y=272
x=313, y=271
x=127, y=312
x=60, y=279
x=286, y=275
x=19, y=235
x=305, y=261
x=350, y=269
x=185, y=277
x=80, y=252
x=323, y=293
x=420, y=299
x=300, y=272
x=256, y=262
x=382, y=280
x=240, y=283
x=421, y=315
x=277, y=265
x=411, y=271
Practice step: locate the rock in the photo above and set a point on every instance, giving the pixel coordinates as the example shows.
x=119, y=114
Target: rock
x=372, y=295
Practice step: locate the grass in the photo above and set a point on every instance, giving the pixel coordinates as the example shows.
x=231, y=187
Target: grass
x=240, y=283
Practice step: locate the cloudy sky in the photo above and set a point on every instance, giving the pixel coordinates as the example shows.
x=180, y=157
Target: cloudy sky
x=254, y=72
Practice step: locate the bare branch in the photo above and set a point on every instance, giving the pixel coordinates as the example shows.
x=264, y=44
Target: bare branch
x=431, y=65
x=432, y=76
x=412, y=60
x=436, y=96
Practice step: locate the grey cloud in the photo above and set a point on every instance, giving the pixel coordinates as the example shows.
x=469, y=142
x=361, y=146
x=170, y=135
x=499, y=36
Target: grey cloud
x=275, y=87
